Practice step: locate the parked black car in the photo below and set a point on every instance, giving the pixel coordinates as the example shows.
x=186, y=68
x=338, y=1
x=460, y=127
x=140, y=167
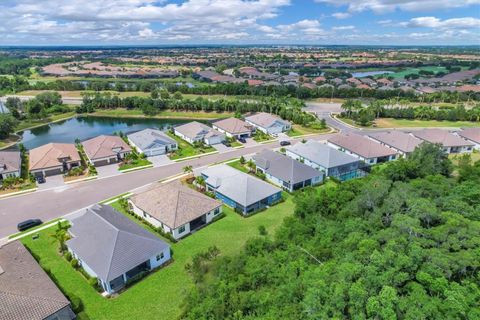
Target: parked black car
x=40, y=179
x=27, y=224
x=226, y=143
x=285, y=143
x=242, y=140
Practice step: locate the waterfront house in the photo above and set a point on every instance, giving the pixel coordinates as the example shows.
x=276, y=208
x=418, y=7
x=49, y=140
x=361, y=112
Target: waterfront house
x=152, y=142
x=53, y=158
x=104, y=150
x=198, y=132
x=10, y=164
x=268, y=123
x=233, y=128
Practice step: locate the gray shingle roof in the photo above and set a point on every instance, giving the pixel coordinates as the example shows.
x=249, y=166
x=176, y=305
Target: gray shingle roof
x=150, y=138
x=361, y=145
x=397, y=139
x=238, y=186
x=174, y=204
x=110, y=243
x=443, y=137
x=265, y=120
x=233, y=126
x=284, y=168
x=196, y=129
x=26, y=291
x=10, y=161
x=322, y=154
x=105, y=146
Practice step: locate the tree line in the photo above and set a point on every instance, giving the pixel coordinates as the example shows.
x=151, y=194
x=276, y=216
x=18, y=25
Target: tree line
x=401, y=243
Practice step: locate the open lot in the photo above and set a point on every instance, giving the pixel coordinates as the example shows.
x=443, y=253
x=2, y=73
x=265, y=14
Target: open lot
x=159, y=295
x=405, y=123
x=166, y=114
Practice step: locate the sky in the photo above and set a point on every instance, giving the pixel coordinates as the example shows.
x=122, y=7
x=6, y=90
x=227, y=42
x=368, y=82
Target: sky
x=190, y=22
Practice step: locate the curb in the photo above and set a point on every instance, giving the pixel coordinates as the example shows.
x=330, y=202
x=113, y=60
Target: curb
x=17, y=193
x=136, y=168
x=80, y=180
x=196, y=156
x=48, y=225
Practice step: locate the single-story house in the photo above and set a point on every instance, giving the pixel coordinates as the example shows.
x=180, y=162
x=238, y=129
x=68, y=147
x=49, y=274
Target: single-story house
x=10, y=164
x=472, y=135
x=233, y=128
x=152, y=142
x=240, y=191
x=451, y=143
x=103, y=150
x=175, y=208
x=321, y=157
x=399, y=141
x=268, y=123
x=286, y=172
x=53, y=158
x=198, y=132
x=113, y=248
x=26, y=291
x=365, y=149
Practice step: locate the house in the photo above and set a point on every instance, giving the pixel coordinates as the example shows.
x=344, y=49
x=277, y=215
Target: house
x=198, y=132
x=103, y=150
x=175, y=208
x=26, y=291
x=10, y=164
x=472, y=135
x=152, y=142
x=268, y=123
x=53, y=158
x=240, y=191
x=363, y=148
x=330, y=161
x=114, y=249
x=286, y=172
x=233, y=128
x=450, y=143
x=399, y=141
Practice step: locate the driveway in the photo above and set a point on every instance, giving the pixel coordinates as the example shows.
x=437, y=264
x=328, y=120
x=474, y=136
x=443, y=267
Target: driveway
x=160, y=160
x=108, y=170
x=250, y=143
x=220, y=147
x=51, y=182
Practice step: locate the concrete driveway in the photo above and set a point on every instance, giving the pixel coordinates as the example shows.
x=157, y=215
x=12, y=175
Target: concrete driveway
x=108, y=170
x=250, y=143
x=51, y=182
x=220, y=147
x=160, y=160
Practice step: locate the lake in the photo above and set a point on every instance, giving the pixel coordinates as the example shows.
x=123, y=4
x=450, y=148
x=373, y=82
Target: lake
x=369, y=73
x=88, y=127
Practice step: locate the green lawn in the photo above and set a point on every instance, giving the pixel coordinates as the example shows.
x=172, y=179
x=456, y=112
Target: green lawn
x=403, y=123
x=32, y=123
x=167, y=114
x=185, y=149
x=259, y=136
x=403, y=73
x=158, y=296
x=12, y=139
x=135, y=164
x=237, y=165
x=298, y=130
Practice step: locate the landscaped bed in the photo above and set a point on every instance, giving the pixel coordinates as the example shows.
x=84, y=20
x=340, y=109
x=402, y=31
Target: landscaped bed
x=186, y=150
x=159, y=296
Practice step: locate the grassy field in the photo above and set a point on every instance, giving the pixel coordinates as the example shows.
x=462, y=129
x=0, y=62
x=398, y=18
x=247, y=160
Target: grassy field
x=298, y=130
x=29, y=124
x=158, y=296
x=403, y=73
x=12, y=139
x=405, y=123
x=167, y=114
x=185, y=149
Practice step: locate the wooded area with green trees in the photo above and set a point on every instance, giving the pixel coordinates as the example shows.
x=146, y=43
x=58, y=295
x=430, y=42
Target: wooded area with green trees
x=401, y=243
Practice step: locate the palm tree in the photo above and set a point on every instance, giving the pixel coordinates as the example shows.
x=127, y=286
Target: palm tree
x=61, y=236
x=188, y=169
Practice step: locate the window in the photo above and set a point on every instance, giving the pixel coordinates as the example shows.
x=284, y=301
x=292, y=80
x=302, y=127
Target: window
x=217, y=211
x=160, y=256
x=181, y=229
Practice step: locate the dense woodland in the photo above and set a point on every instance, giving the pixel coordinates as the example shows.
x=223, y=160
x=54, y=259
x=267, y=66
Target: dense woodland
x=402, y=243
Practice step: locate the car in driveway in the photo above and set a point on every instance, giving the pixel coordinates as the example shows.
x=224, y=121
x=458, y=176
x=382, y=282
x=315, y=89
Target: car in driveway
x=242, y=140
x=40, y=179
x=285, y=143
x=27, y=224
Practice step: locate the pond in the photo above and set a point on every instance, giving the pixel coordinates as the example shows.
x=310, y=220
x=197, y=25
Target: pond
x=83, y=128
x=369, y=73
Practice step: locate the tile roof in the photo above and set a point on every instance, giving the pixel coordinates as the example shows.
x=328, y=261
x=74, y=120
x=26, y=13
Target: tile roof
x=361, y=145
x=233, y=125
x=26, y=291
x=48, y=155
x=196, y=129
x=443, y=137
x=174, y=204
x=238, y=186
x=150, y=139
x=10, y=161
x=105, y=146
x=322, y=154
x=264, y=119
x=472, y=134
x=283, y=167
x=397, y=139
x=110, y=243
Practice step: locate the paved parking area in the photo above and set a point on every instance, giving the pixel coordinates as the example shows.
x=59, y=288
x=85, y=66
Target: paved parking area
x=51, y=182
x=220, y=147
x=160, y=160
x=282, y=136
x=108, y=170
x=250, y=142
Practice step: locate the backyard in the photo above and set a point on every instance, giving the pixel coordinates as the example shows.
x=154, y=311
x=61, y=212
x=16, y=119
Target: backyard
x=185, y=149
x=159, y=295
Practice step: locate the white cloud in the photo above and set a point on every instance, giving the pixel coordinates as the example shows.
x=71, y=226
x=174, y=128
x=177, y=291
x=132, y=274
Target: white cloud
x=343, y=28
x=341, y=15
x=433, y=22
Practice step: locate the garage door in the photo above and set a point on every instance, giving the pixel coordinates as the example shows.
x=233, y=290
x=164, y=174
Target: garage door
x=100, y=163
x=154, y=152
x=53, y=172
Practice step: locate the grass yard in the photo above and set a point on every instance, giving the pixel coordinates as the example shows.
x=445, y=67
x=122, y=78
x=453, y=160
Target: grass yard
x=12, y=139
x=136, y=163
x=158, y=296
x=167, y=114
x=185, y=149
x=237, y=165
x=298, y=130
x=475, y=156
x=406, y=123
x=27, y=185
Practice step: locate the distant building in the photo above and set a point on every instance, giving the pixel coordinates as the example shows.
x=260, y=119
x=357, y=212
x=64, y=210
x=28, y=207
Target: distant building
x=400, y=141
x=268, y=123
x=103, y=150
x=152, y=142
x=198, y=132
x=451, y=143
x=472, y=135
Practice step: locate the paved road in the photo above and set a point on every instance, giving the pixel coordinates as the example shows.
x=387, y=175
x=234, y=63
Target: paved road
x=54, y=203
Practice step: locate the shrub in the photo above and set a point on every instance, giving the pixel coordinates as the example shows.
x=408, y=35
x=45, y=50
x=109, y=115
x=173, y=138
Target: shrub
x=68, y=256
x=74, y=263
x=262, y=230
x=94, y=283
x=242, y=160
x=76, y=303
